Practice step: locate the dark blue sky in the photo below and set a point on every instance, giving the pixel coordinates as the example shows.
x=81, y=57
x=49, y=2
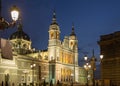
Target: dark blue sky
x=91, y=19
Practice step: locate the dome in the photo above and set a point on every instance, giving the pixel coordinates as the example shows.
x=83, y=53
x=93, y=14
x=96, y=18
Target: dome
x=20, y=34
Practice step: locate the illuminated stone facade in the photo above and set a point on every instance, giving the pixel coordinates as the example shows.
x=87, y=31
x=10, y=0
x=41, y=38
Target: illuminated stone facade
x=58, y=62
x=110, y=48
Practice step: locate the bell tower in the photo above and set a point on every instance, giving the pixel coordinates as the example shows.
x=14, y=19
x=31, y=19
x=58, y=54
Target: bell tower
x=54, y=38
x=54, y=44
x=54, y=31
x=73, y=45
x=73, y=40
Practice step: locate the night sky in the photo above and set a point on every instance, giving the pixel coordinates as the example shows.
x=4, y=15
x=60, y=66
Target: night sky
x=91, y=19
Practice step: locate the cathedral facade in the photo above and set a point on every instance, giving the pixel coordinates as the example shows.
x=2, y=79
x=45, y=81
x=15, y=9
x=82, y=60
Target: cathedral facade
x=59, y=62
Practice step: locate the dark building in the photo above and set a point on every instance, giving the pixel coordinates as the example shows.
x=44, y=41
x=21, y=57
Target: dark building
x=110, y=48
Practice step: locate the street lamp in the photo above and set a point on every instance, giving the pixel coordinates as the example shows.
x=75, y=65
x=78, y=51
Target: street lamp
x=87, y=66
x=32, y=67
x=93, y=61
x=14, y=14
x=101, y=57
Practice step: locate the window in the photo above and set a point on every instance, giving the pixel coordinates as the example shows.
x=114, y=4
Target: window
x=51, y=35
x=22, y=78
x=28, y=78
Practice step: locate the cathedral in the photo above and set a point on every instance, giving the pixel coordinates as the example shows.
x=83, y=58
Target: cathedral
x=23, y=64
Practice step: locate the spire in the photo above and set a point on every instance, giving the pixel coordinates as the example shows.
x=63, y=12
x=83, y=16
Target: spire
x=73, y=32
x=93, y=53
x=54, y=18
x=20, y=25
x=93, y=56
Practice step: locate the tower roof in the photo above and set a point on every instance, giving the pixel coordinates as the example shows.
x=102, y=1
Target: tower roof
x=73, y=32
x=54, y=19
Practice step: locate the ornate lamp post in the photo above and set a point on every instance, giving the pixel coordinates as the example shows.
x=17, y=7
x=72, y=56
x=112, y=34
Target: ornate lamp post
x=14, y=14
x=93, y=61
x=87, y=66
x=32, y=67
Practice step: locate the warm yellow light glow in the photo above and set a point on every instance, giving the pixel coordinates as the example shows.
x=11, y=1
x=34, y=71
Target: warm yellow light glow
x=14, y=13
x=34, y=65
x=85, y=66
x=72, y=74
x=89, y=66
x=85, y=58
x=101, y=56
x=31, y=66
x=87, y=63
